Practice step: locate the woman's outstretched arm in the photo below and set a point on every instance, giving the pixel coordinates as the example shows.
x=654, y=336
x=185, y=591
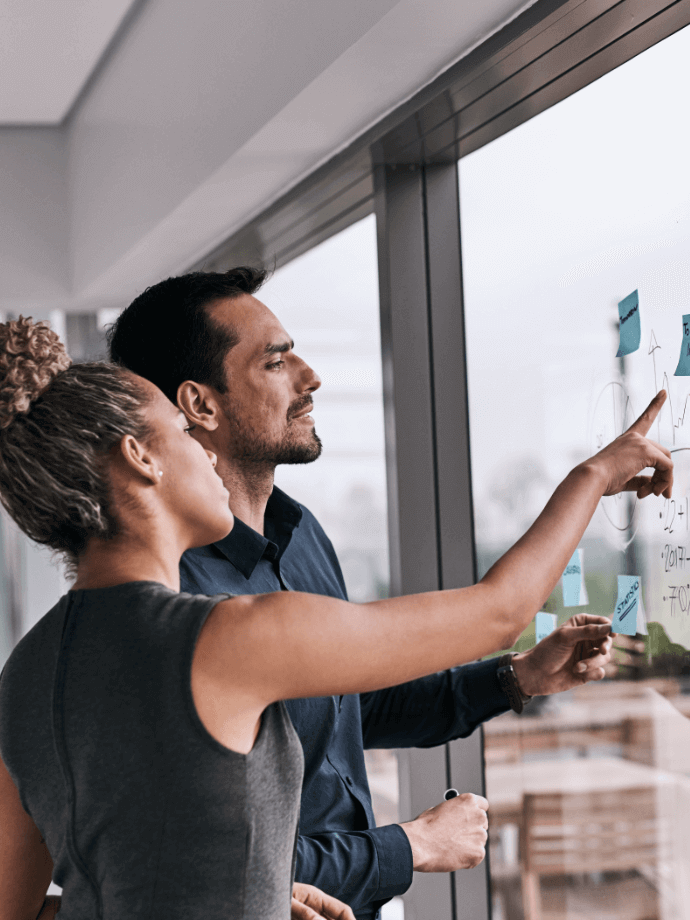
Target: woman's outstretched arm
x=278, y=646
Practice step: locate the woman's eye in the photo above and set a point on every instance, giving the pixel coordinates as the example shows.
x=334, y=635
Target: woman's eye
x=190, y=428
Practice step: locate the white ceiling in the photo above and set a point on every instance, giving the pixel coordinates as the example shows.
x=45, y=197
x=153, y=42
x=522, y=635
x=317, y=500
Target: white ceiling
x=202, y=115
x=48, y=50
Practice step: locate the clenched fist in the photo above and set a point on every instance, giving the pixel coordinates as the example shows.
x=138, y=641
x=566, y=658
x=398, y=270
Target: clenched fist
x=449, y=836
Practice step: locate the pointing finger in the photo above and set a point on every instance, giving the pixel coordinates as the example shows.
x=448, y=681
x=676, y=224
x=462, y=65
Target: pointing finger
x=644, y=422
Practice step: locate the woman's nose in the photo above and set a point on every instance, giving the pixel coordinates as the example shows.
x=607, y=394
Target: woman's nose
x=212, y=457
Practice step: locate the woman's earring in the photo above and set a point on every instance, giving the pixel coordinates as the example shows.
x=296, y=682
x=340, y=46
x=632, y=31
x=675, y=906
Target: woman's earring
x=160, y=472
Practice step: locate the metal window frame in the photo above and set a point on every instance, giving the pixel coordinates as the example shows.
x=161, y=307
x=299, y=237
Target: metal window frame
x=405, y=170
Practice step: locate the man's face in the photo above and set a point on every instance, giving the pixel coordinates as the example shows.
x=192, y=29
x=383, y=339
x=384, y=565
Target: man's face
x=269, y=388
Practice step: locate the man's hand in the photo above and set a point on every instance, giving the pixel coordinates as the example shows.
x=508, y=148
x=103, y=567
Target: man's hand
x=309, y=903
x=571, y=655
x=50, y=908
x=449, y=836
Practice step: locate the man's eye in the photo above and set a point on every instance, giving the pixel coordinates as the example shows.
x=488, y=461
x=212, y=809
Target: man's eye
x=276, y=364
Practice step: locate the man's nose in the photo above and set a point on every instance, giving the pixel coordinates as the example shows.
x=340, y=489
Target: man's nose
x=315, y=381
x=310, y=379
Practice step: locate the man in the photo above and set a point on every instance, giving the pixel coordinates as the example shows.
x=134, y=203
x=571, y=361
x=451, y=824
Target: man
x=211, y=346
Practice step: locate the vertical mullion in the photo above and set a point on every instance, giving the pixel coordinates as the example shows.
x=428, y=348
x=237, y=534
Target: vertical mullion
x=456, y=522
x=428, y=462
x=455, y=509
x=411, y=462
x=407, y=391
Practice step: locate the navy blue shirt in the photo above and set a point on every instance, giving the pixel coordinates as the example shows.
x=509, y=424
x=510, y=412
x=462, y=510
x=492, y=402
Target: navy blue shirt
x=339, y=848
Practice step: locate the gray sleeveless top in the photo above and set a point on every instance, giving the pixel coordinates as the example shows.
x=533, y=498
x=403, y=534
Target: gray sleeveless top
x=144, y=813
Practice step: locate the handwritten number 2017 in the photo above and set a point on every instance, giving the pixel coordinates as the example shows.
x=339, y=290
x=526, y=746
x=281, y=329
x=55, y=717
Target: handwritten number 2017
x=674, y=557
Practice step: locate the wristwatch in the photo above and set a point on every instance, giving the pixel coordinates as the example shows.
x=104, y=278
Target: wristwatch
x=507, y=678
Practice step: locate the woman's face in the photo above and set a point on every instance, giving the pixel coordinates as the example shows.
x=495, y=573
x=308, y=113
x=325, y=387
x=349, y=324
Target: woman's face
x=189, y=484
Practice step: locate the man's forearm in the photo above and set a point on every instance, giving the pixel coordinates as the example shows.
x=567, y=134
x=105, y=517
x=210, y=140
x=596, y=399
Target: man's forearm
x=432, y=710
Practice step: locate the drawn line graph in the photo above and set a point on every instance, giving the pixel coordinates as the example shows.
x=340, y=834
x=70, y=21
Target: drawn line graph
x=613, y=414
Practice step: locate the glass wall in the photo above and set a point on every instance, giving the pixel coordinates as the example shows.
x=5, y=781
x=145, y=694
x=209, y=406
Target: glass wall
x=328, y=301
x=562, y=218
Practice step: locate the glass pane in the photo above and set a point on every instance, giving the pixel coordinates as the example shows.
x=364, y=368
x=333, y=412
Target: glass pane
x=328, y=300
x=562, y=219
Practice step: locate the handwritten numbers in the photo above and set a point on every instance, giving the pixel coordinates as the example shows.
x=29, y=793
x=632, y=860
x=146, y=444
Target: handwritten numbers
x=675, y=514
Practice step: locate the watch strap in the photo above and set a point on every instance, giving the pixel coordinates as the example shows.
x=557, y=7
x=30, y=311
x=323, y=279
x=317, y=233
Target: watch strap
x=508, y=681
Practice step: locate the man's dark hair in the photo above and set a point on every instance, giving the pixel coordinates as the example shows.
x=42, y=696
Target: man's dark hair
x=167, y=336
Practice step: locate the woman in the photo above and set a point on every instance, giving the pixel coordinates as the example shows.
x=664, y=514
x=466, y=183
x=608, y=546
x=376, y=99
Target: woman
x=141, y=729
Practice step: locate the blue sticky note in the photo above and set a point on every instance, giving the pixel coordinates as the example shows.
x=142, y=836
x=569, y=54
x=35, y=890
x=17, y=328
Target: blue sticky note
x=572, y=580
x=544, y=624
x=683, y=369
x=625, y=617
x=629, y=323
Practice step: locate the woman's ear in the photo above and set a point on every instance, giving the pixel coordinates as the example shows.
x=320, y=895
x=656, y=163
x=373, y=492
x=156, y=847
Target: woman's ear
x=199, y=404
x=138, y=458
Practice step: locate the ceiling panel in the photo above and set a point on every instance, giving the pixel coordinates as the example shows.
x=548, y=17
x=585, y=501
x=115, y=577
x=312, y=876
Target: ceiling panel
x=48, y=49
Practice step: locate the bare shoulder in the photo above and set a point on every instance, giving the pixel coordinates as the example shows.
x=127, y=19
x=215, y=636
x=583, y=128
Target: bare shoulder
x=238, y=611
x=229, y=634
x=235, y=614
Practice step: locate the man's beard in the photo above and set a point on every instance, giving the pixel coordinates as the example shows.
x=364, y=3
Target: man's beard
x=254, y=447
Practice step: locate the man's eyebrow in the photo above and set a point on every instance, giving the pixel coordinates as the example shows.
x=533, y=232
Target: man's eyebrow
x=277, y=348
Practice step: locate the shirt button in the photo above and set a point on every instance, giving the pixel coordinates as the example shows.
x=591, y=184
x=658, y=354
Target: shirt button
x=349, y=781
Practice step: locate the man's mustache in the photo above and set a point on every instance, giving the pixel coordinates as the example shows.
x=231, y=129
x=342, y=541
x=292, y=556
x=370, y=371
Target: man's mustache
x=306, y=402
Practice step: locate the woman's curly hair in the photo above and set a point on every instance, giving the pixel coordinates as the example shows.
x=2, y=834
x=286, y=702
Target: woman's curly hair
x=58, y=423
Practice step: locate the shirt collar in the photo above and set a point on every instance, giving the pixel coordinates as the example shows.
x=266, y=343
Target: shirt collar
x=244, y=547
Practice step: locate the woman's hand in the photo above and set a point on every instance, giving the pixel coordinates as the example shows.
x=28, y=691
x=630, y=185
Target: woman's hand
x=621, y=461
x=309, y=903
